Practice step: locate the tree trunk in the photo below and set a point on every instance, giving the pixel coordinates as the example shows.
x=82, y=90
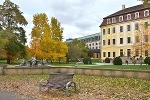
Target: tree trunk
x=8, y=61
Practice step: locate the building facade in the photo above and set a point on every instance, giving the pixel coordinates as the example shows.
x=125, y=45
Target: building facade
x=118, y=31
x=93, y=42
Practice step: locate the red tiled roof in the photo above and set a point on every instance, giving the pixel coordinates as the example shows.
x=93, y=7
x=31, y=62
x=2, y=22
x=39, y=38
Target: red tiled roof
x=126, y=11
x=129, y=10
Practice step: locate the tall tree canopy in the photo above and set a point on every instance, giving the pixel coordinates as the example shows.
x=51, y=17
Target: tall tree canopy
x=12, y=20
x=47, y=38
x=77, y=49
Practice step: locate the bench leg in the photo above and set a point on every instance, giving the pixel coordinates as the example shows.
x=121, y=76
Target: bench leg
x=67, y=87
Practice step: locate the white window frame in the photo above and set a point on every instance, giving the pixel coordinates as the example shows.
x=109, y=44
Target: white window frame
x=108, y=21
x=114, y=20
x=136, y=15
x=120, y=18
x=128, y=18
x=146, y=14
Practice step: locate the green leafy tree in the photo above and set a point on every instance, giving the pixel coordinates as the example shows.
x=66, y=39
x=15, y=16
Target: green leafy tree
x=82, y=47
x=73, y=52
x=12, y=20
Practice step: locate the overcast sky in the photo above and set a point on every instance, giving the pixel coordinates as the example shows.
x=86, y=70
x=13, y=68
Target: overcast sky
x=77, y=17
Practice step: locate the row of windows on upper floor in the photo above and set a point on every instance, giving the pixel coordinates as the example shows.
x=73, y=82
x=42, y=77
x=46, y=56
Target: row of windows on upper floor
x=137, y=53
x=94, y=44
x=128, y=40
x=92, y=39
x=94, y=47
x=121, y=28
x=128, y=17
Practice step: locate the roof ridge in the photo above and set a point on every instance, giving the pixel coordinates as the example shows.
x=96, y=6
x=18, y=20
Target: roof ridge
x=126, y=10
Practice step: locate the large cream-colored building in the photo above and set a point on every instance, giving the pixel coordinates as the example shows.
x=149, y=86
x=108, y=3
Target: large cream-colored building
x=118, y=31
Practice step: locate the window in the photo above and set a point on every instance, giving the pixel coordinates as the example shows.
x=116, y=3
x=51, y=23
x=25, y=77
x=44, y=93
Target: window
x=104, y=54
x=103, y=42
x=136, y=26
x=121, y=40
x=137, y=52
x=89, y=44
x=129, y=40
x=146, y=38
x=136, y=15
x=128, y=16
x=113, y=41
x=128, y=52
x=96, y=44
x=146, y=13
x=93, y=44
x=120, y=18
x=146, y=24
x=128, y=27
x=137, y=39
x=108, y=41
x=108, y=30
x=113, y=29
x=103, y=31
x=146, y=52
x=114, y=20
x=108, y=54
x=108, y=21
x=121, y=52
x=114, y=54
x=121, y=28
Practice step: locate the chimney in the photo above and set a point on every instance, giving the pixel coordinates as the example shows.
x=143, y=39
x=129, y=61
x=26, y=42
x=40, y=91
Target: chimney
x=123, y=7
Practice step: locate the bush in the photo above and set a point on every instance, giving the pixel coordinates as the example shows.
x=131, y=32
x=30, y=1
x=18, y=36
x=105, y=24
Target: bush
x=117, y=61
x=146, y=60
x=107, y=60
x=87, y=60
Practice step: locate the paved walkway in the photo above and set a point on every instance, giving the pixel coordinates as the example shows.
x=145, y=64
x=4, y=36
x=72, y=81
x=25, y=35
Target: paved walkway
x=7, y=96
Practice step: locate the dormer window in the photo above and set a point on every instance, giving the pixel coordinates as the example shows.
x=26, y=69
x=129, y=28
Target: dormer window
x=128, y=16
x=120, y=18
x=114, y=20
x=108, y=21
x=146, y=13
x=136, y=15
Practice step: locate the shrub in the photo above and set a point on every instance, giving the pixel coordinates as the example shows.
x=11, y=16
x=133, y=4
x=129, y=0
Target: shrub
x=146, y=60
x=87, y=60
x=107, y=60
x=117, y=61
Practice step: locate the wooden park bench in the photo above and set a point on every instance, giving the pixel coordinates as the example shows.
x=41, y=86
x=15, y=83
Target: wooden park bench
x=59, y=81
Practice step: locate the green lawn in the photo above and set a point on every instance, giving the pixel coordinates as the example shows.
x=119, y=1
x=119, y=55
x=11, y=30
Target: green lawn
x=129, y=67
x=81, y=65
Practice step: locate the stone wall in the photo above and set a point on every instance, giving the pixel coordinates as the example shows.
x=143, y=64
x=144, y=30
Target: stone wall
x=75, y=70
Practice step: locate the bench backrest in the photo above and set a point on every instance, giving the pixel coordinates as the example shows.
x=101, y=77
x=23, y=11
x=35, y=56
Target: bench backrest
x=60, y=78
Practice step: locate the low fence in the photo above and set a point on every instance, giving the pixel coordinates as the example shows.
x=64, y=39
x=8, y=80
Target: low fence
x=4, y=70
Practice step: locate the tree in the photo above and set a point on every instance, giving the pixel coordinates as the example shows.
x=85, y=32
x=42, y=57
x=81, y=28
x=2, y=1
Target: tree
x=12, y=20
x=145, y=2
x=57, y=35
x=77, y=49
x=82, y=47
x=142, y=42
x=47, y=38
x=73, y=52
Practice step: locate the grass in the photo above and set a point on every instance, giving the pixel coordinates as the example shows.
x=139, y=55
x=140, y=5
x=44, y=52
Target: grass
x=81, y=65
x=129, y=67
x=88, y=87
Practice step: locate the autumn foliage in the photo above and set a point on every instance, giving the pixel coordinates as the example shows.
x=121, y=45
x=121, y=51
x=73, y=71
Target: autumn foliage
x=47, y=39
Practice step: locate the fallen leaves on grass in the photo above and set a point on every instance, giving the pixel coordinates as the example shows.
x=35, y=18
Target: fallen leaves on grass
x=88, y=87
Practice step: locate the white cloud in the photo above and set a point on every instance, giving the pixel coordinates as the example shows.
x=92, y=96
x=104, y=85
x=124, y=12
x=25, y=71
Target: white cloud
x=77, y=17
